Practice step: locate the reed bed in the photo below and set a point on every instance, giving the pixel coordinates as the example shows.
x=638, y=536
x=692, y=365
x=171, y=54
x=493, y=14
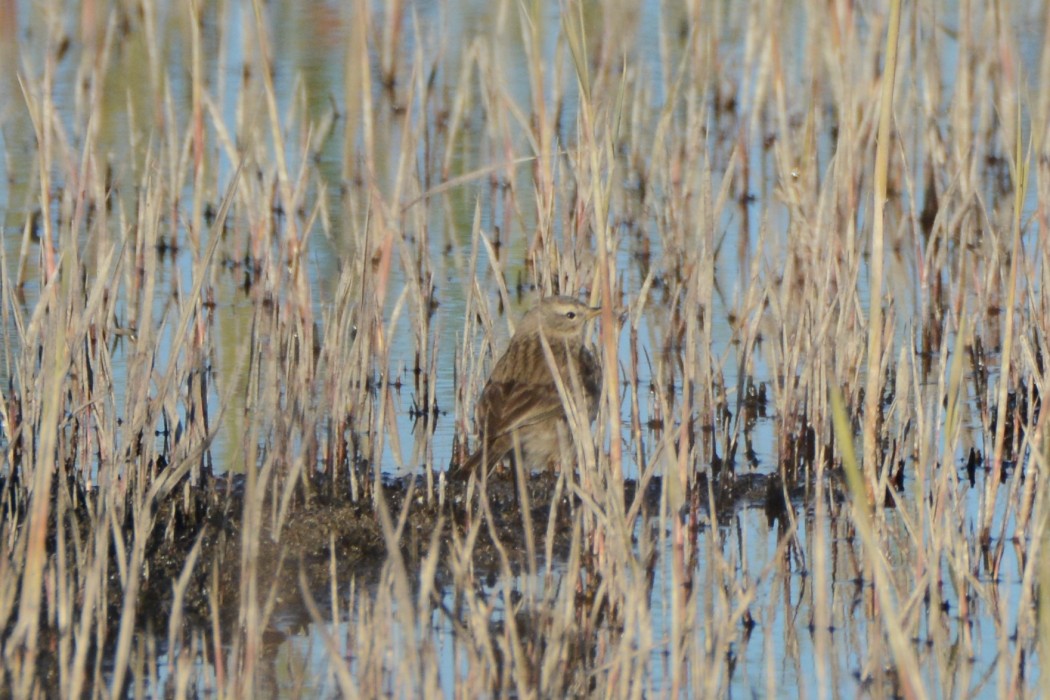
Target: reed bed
x=258, y=259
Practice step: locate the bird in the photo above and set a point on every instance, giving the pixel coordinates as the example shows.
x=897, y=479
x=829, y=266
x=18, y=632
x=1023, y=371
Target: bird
x=520, y=407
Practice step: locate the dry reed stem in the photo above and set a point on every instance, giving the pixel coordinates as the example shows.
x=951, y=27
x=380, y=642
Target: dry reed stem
x=1019, y=172
x=873, y=388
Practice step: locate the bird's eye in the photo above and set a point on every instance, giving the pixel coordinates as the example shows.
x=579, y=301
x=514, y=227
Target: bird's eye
x=570, y=315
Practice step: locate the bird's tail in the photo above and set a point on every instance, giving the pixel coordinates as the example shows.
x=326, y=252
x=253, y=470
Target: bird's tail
x=461, y=470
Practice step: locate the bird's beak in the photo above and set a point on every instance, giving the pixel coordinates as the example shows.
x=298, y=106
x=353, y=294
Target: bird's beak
x=593, y=311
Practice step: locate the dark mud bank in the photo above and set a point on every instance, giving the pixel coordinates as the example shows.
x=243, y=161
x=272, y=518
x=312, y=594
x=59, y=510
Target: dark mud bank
x=199, y=535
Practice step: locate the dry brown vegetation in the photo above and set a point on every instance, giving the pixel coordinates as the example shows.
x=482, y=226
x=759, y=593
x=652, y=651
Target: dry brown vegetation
x=232, y=278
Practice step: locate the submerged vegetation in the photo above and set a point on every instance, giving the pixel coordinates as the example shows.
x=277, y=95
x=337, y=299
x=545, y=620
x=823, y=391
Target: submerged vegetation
x=258, y=258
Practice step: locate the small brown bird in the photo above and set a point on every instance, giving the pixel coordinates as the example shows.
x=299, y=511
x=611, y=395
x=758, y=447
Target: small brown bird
x=520, y=401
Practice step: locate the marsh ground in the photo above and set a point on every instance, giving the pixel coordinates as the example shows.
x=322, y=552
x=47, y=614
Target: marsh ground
x=258, y=257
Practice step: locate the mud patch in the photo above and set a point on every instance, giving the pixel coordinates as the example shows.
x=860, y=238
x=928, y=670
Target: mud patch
x=326, y=534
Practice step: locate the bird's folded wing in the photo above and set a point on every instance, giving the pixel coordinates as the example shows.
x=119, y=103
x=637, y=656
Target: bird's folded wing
x=514, y=405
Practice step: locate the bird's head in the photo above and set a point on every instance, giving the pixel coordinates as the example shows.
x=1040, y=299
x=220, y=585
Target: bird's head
x=560, y=317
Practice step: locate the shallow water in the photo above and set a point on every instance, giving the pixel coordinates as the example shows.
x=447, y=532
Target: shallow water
x=779, y=654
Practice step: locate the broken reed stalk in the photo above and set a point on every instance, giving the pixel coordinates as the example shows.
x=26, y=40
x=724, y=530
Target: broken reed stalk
x=889, y=612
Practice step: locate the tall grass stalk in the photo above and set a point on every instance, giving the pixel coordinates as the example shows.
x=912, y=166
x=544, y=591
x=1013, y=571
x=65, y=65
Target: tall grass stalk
x=873, y=461
x=1019, y=174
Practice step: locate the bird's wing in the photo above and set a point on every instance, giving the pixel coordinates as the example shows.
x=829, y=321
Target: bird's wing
x=512, y=405
x=512, y=400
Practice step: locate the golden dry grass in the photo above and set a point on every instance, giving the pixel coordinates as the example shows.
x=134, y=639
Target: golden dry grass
x=262, y=239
